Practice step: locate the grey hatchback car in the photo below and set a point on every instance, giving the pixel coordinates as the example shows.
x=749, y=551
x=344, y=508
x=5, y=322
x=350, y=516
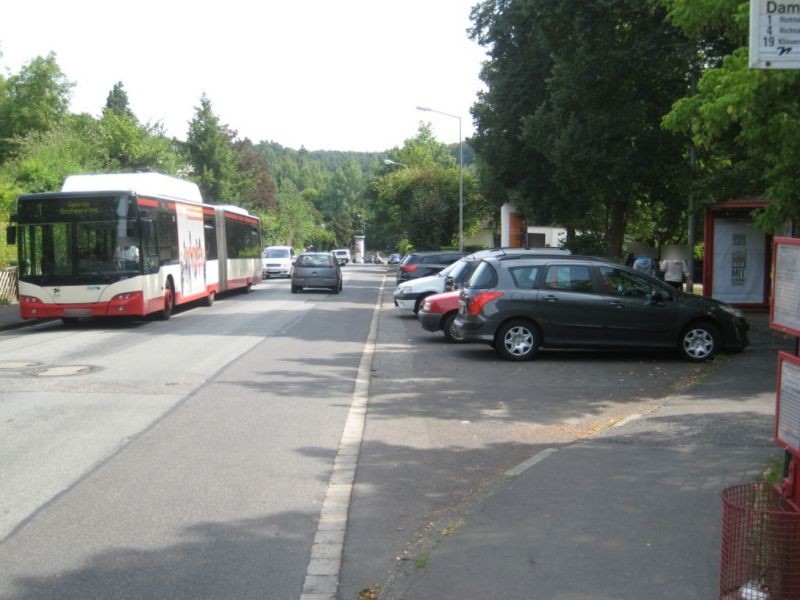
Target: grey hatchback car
x=518, y=305
x=316, y=270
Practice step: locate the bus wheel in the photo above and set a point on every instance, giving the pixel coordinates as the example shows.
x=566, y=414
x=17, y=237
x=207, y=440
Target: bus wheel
x=209, y=300
x=169, y=302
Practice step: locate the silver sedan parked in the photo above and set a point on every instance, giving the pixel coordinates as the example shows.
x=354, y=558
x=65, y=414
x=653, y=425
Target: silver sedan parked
x=316, y=270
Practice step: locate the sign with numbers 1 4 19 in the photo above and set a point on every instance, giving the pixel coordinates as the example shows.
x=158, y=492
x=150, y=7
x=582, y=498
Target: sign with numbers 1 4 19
x=774, y=34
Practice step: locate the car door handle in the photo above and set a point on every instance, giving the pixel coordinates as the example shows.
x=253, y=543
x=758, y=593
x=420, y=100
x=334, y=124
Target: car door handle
x=551, y=298
x=616, y=304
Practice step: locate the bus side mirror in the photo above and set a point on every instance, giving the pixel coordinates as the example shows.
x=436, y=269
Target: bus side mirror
x=11, y=235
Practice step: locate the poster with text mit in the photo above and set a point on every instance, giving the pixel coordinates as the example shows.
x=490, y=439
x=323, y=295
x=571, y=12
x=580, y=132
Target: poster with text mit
x=739, y=255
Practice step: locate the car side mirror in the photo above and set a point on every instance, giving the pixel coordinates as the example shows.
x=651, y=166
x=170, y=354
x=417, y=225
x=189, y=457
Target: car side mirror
x=657, y=297
x=449, y=283
x=11, y=235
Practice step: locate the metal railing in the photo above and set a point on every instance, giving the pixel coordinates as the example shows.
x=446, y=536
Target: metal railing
x=8, y=284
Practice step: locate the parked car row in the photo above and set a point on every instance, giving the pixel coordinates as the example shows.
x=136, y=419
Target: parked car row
x=412, y=290
x=518, y=302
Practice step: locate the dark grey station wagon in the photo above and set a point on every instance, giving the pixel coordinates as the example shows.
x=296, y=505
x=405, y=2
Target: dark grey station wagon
x=518, y=305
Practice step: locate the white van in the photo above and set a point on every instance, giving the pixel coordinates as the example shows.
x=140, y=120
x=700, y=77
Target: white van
x=277, y=261
x=342, y=256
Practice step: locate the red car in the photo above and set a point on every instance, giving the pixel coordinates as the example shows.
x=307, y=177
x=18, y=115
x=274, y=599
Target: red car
x=438, y=313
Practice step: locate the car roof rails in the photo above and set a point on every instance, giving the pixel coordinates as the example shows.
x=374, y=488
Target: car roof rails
x=549, y=256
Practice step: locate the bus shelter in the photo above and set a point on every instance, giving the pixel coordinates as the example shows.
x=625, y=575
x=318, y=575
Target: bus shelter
x=736, y=268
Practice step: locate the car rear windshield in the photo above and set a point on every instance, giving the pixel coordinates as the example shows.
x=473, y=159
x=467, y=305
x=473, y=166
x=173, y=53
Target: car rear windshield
x=276, y=253
x=311, y=260
x=484, y=277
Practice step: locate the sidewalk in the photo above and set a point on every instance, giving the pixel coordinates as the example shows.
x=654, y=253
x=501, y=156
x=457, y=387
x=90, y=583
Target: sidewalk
x=632, y=513
x=10, y=319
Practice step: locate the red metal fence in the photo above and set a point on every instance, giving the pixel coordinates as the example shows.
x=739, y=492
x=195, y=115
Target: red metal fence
x=760, y=545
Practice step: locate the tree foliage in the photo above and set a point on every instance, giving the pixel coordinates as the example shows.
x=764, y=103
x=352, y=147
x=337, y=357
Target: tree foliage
x=418, y=199
x=570, y=123
x=34, y=100
x=210, y=147
x=117, y=101
x=745, y=122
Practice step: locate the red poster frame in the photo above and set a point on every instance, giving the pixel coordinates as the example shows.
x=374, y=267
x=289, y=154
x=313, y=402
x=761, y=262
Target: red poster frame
x=785, y=241
x=795, y=360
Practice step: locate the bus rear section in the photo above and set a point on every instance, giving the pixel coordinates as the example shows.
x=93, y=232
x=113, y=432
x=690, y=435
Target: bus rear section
x=240, y=256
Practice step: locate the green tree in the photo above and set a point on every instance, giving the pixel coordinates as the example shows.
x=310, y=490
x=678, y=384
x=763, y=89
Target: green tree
x=126, y=145
x=342, y=198
x=257, y=187
x=34, y=100
x=295, y=223
x=210, y=147
x=570, y=124
x=117, y=101
x=419, y=201
x=744, y=122
x=45, y=158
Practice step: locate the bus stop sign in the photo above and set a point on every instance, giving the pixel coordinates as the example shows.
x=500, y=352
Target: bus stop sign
x=774, y=34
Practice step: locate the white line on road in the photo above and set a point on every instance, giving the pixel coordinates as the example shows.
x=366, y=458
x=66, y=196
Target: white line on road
x=322, y=573
x=524, y=466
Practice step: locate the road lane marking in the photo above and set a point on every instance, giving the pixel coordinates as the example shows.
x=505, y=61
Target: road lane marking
x=322, y=573
x=525, y=465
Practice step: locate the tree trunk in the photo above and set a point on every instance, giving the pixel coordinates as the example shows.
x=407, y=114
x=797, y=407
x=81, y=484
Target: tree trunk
x=616, y=230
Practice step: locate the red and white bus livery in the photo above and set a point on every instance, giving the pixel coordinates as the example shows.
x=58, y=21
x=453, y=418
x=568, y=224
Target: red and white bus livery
x=129, y=244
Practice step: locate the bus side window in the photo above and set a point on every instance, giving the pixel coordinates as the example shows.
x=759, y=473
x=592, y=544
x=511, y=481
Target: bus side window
x=167, y=237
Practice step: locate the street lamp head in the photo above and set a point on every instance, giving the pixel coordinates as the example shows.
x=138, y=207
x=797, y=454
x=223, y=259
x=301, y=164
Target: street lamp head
x=389, y=161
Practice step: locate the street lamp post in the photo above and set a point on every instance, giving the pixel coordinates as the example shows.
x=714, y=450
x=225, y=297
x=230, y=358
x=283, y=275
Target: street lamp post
x=460, y=175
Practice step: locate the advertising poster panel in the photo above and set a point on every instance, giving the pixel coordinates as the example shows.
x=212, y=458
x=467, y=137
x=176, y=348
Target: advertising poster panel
x=192, y=249
x=739, y=255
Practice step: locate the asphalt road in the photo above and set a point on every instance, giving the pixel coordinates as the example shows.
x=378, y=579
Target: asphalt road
x=179, y=459
x=190, y=458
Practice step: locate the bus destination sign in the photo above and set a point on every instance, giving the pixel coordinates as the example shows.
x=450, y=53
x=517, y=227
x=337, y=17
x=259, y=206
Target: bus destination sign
x=50, y=208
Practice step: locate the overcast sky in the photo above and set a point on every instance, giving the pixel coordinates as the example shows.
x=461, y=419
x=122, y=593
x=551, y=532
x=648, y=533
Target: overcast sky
x=323, y=74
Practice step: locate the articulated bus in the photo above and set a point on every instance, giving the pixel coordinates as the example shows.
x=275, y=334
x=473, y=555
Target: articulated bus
x=130, y=244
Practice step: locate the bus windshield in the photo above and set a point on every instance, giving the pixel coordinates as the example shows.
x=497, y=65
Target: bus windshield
x=82, y=251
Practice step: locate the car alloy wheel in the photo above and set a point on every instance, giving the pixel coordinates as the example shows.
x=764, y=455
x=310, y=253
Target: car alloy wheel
x=451, y=332
x=699, y=342
x=517, y=340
